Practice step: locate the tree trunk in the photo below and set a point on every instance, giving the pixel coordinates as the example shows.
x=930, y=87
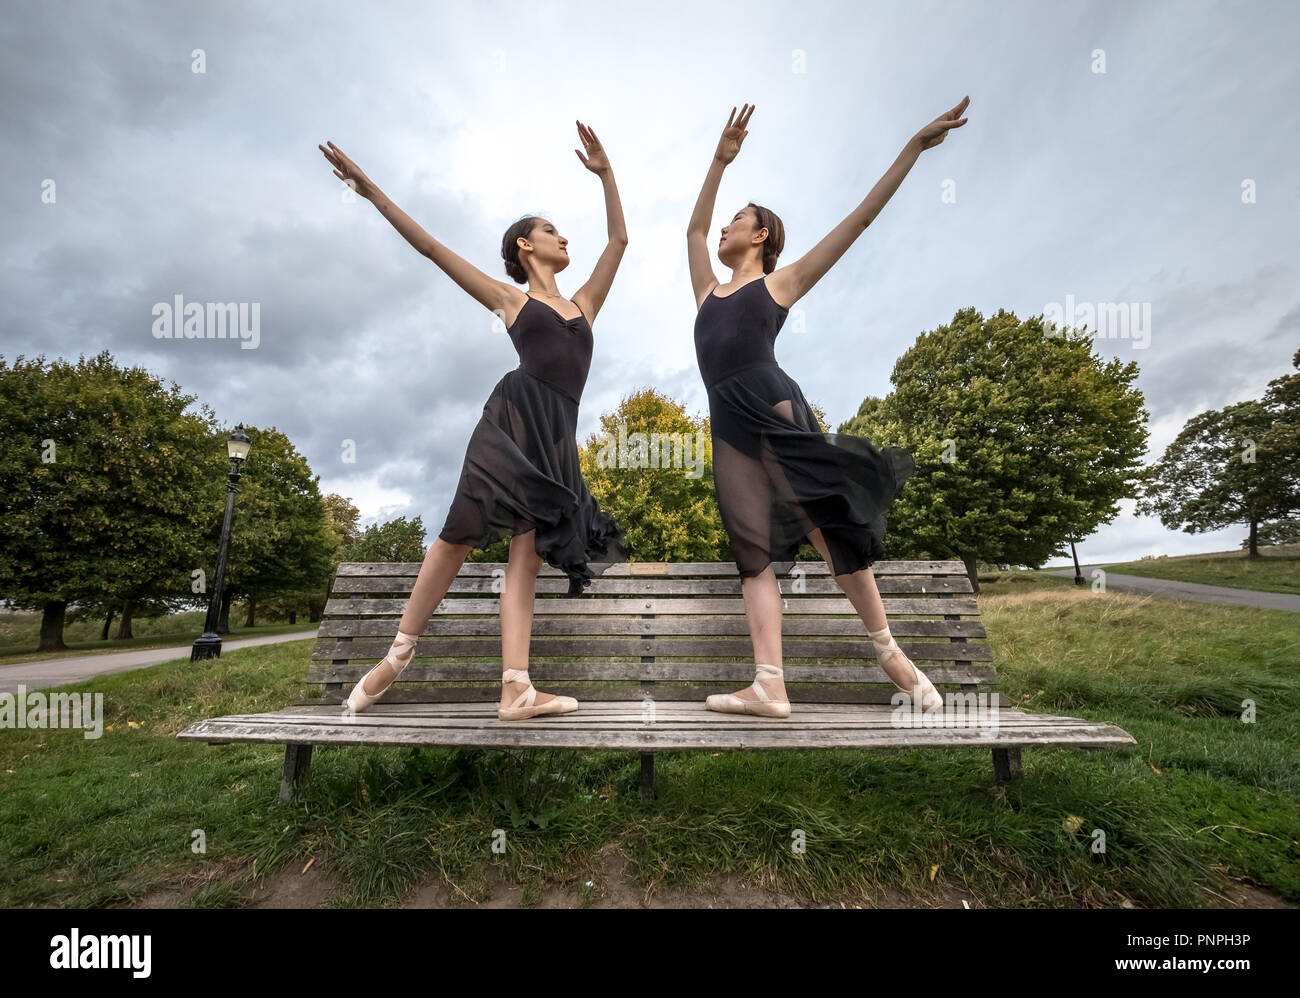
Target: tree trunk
x=223, y=618
x=124, y=625
x=108, y=622
x=251, y=604
x=1254, y=539
x=293, y=616
x=971, y=563
x=52, y=626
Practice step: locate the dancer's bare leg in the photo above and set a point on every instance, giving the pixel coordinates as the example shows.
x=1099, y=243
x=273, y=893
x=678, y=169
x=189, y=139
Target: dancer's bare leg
x=517, y=614
x=743, y=490
x=860, y=588
x=441, y=563
x=763, y=613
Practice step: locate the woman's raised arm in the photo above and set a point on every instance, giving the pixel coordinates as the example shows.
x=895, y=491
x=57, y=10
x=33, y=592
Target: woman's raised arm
x=490, y=293
x=602, y=277
x=703, y=279
x=792, y=282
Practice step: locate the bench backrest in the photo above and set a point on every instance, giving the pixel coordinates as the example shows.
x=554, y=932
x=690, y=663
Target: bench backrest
x=666, y=630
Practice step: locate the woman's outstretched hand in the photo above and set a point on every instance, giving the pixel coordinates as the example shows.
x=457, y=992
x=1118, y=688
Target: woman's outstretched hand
x=733, y=135
x=347, y=171
x=596, y=161
x=935, y=132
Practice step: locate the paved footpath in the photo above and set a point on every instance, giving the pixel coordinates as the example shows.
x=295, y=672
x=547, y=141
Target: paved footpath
x=1188, y=590
x=51, y=672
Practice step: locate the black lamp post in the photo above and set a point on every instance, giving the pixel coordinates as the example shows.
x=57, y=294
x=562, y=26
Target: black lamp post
x=208, y=645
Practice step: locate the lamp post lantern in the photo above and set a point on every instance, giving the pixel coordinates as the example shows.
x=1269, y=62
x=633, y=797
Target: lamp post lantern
x=208, y=645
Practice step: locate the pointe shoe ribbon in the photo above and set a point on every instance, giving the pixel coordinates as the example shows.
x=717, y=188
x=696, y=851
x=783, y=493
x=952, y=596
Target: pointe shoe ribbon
x=525, y=705
x=930, y=696
x=764, y=706
x=399, y=657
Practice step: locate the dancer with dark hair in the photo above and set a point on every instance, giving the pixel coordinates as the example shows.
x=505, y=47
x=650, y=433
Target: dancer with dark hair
x=778, y=478
x=521, y=478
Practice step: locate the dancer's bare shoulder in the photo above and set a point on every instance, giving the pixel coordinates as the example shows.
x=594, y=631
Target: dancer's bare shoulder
x=783, y=285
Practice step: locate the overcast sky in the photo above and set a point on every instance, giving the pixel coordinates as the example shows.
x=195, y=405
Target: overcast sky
x=1104, y=160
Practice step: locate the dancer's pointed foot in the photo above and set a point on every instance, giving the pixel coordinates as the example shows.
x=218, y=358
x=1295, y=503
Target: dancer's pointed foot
x=377, y=680
x=902, y=671
x=765, y=697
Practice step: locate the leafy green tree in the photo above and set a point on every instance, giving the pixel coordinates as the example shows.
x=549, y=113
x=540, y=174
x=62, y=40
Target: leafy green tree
x=497, y=551
x=343, y=531
x=651, y=467
x=100, y=475
x=1281, y=445
x=343, y=517
x=1022, y=440
x=280, y=539
x=1240, y=464
x=396, y=540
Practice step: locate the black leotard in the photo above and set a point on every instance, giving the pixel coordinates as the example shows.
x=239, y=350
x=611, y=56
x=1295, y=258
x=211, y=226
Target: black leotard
x=552, y=348
x=737, y=331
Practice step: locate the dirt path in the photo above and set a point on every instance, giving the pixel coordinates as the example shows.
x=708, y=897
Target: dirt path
x=314, y=888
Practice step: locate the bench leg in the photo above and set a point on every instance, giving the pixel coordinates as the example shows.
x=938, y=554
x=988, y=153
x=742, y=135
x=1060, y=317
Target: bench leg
x=1006, y=765
x=297, y=762
x=647, y=776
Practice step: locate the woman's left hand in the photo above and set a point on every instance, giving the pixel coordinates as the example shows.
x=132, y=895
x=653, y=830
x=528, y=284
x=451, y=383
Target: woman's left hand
x=936, y=131
x=596, y=161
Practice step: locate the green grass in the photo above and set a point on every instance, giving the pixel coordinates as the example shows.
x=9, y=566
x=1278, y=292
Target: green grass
x=106, y=822
x=20, y=635
x=1277, y=570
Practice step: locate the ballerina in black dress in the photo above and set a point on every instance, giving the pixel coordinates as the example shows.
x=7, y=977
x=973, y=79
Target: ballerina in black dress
x=778, y=478
x=521, y=478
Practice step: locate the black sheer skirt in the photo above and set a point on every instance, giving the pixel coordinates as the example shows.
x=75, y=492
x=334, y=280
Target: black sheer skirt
x=778, y=476
x=521, y=473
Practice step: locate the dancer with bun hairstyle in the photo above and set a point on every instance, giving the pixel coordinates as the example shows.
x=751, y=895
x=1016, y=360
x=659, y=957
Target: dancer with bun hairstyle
x=520, y=478
x=778, y=478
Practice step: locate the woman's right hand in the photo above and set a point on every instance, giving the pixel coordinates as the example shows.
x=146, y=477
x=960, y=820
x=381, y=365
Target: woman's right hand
x=733, y=135
x=347, y=171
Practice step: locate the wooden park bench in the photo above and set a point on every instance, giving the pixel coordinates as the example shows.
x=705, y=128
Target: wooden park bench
x=641, y=649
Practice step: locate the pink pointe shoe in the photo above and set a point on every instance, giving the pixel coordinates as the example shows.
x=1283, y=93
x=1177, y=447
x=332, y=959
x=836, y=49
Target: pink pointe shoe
x=930, y=697
x=525, y=705
x=398, y=657
x=764, y=706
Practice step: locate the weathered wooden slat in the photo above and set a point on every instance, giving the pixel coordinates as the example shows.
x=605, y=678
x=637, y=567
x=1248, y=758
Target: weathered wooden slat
x=603, y=586
x=682, y=717
x=718, y=672
x=650, y=568
x=570, y=732
x=792, y=626
x=669, y=647
x=738, y=733
x=391, y=607
x=601, y=709
x=849, y=693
